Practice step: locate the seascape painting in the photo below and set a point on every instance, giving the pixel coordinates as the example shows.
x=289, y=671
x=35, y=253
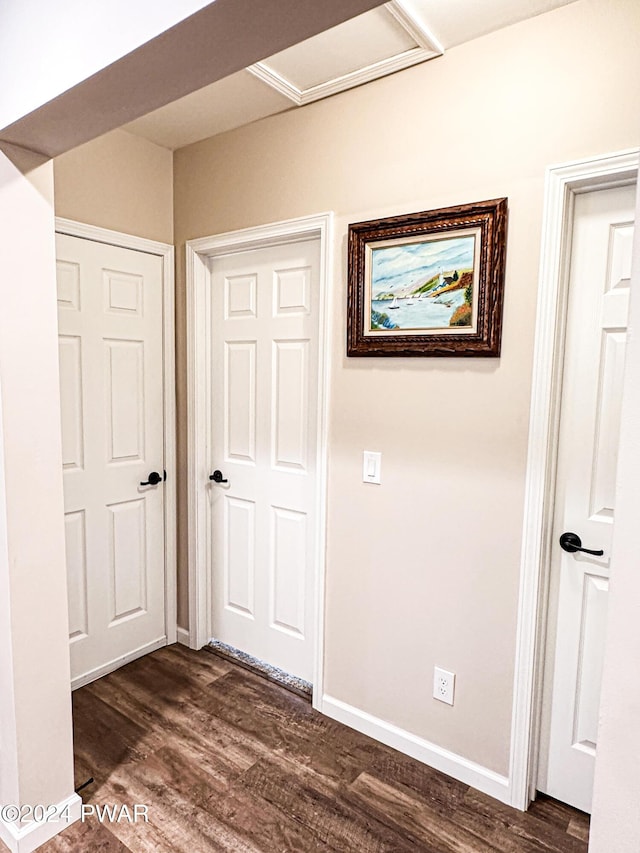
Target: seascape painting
x=429, y=283
x=423, y=286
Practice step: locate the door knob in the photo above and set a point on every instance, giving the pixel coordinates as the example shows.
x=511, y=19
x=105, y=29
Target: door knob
x=571, y=542
x=153, y=480
x=217, y=477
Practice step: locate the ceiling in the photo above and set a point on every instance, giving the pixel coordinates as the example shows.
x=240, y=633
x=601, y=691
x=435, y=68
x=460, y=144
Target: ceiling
x=386, y=39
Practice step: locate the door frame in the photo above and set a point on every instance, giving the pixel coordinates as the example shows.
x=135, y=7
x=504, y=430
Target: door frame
x=166, y=252
x=198, y=280
x=562, y=184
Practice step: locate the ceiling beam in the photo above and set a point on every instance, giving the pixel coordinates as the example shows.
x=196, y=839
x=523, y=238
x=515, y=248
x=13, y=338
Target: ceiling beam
x=222, y=38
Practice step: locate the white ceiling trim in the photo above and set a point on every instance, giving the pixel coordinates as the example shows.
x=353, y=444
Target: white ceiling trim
x=428, y=48
x=414, y=25
x=262, y=71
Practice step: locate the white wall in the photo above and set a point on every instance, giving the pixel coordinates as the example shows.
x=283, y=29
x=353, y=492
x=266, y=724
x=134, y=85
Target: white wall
x=9, y=791
x=615, y=824
x=50, y=47
x=35, y=702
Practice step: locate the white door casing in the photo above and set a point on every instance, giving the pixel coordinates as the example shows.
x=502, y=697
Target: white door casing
x=264, y=356
x=285, y=356
x=564, y=183
x=599, y=288
x=121, y=586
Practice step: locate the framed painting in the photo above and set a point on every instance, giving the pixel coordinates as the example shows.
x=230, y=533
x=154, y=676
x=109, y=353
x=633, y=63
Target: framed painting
x=428, y=283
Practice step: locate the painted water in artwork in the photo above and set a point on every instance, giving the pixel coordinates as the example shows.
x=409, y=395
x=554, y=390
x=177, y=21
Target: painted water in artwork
x=423, y=286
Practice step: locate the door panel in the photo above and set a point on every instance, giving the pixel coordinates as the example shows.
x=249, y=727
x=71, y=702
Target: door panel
x=111, y=357
x=600, y=268
x=289, y=408
x=288, y=570
x=595, y=590
x=76, y=548
x=239, y=563
x=72, y=410
x=128, y=564
x=124, y=387
x=240, y=401
x=263, y=402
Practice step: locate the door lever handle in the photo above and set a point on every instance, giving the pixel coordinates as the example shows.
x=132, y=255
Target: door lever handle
x=217, y=477
x=153, y=480
x=571, y=542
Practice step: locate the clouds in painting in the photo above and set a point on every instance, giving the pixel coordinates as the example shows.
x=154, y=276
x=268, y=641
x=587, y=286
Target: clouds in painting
x=414, y=263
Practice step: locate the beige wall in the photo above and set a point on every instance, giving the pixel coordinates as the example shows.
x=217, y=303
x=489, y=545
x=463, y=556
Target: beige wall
x=424, y=569
x=36, y=758
x=118, y=181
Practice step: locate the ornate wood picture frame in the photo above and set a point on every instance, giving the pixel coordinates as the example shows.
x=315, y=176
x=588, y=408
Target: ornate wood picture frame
x=429, y=283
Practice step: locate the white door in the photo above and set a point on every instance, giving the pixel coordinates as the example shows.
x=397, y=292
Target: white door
x=110, y=306
x=264, y=403
x=600, y=267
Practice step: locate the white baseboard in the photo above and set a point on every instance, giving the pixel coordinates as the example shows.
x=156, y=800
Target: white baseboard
x=184, y=637
x=454, y=765
x=116, y=663
x=30, y=836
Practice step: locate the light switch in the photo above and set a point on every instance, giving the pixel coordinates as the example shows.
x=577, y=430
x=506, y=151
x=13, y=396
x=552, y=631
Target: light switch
x=371, y=464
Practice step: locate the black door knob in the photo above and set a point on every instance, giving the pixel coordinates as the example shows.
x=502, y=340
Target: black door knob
x=217, y=477
x=153, y=480
x=571, y=542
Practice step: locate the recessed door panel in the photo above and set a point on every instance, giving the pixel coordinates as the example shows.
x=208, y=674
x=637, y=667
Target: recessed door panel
x=292, y=291
x=72, y=411
x=240, y=400
x=590, y=662
x=620, y=255
x=76, y=549
x=123, y=293
x=125, y=400
x=609, y=405
x=240, y=294
x=289, y=538
x=128, y=558
x=240, y=554
x=68, y=285
x=290, y=410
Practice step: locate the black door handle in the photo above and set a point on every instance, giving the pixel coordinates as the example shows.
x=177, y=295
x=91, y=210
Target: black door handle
x=154, y=479
x=571, y=542
x=217, y=477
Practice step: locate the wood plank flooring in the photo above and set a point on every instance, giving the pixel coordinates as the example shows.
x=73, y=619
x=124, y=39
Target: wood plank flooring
x=227, y=761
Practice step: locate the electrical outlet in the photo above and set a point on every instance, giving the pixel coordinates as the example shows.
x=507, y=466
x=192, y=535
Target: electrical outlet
x=443, y=685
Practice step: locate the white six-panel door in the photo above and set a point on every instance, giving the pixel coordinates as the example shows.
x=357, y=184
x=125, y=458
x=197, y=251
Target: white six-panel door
x=264, y=397
x=600, y=268
x=110, y=305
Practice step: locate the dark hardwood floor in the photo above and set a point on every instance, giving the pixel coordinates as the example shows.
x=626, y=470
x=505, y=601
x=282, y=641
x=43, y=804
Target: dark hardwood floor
x=227, y=761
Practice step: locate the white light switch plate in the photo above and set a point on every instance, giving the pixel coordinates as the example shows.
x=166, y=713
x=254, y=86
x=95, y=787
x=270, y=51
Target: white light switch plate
x=371, y=465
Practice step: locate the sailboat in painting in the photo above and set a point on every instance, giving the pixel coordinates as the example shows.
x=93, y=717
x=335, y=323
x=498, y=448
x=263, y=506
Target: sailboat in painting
x=394, y=304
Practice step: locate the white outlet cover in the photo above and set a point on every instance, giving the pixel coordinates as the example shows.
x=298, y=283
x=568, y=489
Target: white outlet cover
x=444, y=683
